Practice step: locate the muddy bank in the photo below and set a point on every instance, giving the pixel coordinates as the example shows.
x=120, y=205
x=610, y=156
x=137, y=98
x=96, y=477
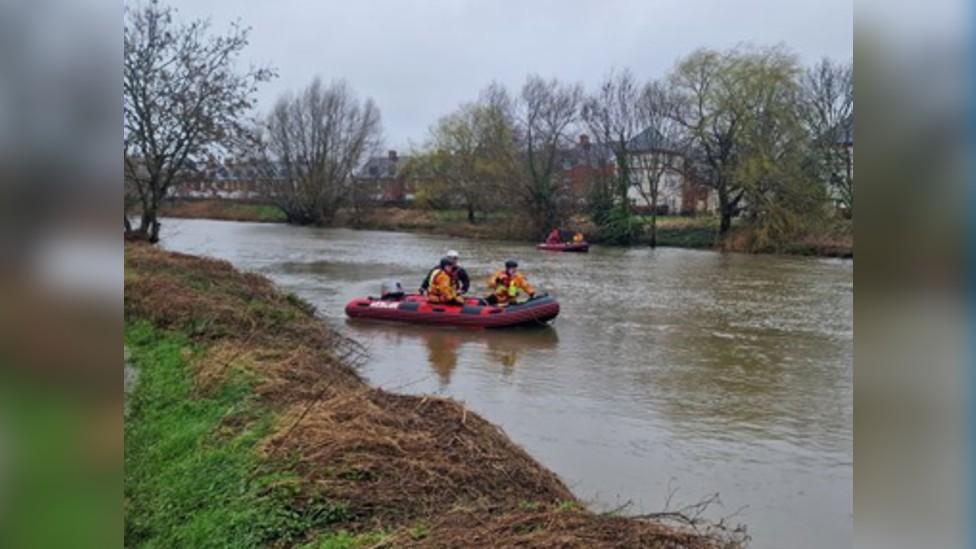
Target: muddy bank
x=408, y=470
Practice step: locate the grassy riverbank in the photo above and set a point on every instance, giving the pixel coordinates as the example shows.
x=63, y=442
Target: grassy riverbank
x=834, y=239
x=250, y=426
x=223, y=209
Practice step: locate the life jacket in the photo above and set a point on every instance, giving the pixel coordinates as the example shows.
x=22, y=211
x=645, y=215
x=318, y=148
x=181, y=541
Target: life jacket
x=434, y=293
x=433, y=274
x=505, y=285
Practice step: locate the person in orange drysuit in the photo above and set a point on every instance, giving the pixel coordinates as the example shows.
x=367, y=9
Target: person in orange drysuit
x=507, y=283
x=441, y=288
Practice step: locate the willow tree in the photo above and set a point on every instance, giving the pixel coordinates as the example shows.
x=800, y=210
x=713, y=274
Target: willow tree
x=183, y=97
x=310, y=145
x=740, y=112
x=704, y=98
x=781, y=195
x=461, y=158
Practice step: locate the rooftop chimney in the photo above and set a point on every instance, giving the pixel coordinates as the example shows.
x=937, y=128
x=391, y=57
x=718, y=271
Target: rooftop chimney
x=392, y=155
x=584, y=140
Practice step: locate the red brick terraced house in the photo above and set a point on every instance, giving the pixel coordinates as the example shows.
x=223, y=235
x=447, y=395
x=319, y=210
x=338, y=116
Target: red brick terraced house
x=381, y=180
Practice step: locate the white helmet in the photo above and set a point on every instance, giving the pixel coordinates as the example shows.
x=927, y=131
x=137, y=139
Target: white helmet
x=453, y=255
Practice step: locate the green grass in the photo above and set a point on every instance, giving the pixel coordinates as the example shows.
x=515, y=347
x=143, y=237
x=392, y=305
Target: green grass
x=461, y=216
x=684, y=231
x=530, y=505
x=258, y=212
x=567, y=506
x=419, y=532
x=686, y=237
x=188, y=486
x=684, y=221
x=59, y=472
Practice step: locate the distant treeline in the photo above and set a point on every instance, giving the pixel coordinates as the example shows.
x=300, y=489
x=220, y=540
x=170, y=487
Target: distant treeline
x=770, y=140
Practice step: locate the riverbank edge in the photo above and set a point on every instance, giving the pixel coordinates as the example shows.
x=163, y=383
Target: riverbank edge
x=250, y=425
x=672, y=232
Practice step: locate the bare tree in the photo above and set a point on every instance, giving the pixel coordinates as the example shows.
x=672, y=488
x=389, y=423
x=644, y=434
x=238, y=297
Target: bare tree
x=611, y=115
x=130, y=201
x=828, y=112
x=309, y=147
x=547, y=111
x=182, y=98
x=613, y=118
x=657, y=152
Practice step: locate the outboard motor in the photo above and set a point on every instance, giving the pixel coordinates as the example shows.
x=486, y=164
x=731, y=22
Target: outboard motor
x=391, y=290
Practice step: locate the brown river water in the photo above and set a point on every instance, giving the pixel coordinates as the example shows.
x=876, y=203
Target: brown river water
x=667, y=371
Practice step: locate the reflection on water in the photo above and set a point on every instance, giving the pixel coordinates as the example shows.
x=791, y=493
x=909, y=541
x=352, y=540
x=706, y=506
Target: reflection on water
x=698, y=370
x=444, y=345
x=442, y=353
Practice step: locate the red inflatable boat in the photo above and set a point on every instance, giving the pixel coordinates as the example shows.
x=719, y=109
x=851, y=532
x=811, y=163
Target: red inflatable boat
x=416, y=308
x=565, y=247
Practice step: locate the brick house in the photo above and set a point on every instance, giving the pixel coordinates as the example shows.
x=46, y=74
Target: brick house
x=219, y=179
x=583, y=164
x=381, y=179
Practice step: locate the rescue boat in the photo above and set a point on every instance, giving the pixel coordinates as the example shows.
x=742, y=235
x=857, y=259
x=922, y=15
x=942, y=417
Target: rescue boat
x=565, y=246
x=474, y=313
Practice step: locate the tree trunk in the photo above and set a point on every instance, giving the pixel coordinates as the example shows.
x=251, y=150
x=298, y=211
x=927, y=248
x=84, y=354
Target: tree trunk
x=145, y=220
x=654, y=220
x=149, y=222
x=471, y=213
x=849, y=184
x=154, y=231
x=623, y=185
x=725, y=210
x=726, y=222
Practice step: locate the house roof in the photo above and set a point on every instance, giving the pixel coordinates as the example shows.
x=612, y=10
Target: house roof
x=236, y=171
x=382, y=166
x=651, y=140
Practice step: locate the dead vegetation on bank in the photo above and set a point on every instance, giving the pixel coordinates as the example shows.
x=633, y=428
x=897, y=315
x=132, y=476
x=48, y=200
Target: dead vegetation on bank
x=425, y=470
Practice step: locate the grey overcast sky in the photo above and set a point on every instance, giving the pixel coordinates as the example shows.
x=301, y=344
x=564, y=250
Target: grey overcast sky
x=420, y=59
